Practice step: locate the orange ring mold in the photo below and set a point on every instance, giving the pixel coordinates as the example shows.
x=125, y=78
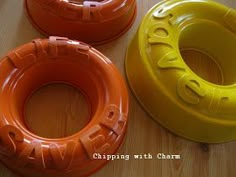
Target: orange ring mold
x=96, y=22
x=60, y=60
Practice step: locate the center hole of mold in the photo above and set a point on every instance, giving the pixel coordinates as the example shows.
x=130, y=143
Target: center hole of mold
x=209, y=51
x=56, y=111
x=203, y=65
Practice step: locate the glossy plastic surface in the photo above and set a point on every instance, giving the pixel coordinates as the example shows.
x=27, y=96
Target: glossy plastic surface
x=171, y=92
x=40, y=62
x=94, y=22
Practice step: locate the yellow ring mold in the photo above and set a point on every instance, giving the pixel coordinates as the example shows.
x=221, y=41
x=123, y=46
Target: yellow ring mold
x=184, y=101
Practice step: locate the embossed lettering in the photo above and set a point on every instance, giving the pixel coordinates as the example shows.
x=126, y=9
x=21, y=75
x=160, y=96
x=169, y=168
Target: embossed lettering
x=91, y=11
x=221, y=102
x=230, y=19
x=40, y=51
x=159, y=34
x=93, y=141
x=190, y=90
x=9, y=135
x=162, y=15
x=21, y=62
x=114, y=119
x=57, y=46
x=62, y=155
x=171, y=60
x=32, y=155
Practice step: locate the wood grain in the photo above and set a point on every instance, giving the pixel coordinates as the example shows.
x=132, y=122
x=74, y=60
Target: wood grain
x=144, y=134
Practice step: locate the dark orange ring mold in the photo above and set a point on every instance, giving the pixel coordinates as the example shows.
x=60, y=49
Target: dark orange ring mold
x=40, y=62
x=94, y=22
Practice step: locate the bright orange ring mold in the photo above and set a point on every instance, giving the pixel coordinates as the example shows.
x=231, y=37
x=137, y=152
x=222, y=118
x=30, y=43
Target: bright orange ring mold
x=94, y=22
x=32, y=65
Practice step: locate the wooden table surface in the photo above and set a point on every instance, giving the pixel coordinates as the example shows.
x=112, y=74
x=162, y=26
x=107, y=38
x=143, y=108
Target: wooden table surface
x=61, y=103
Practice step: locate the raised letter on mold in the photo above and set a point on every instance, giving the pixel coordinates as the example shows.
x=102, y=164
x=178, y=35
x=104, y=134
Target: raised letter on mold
x=94, y=142
x=114, y=120
x=170, y=60
x=230, y=19
x=91, y=10
x=190, y=90
x=9, y=135
x=62, y=156
x=32, y=155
